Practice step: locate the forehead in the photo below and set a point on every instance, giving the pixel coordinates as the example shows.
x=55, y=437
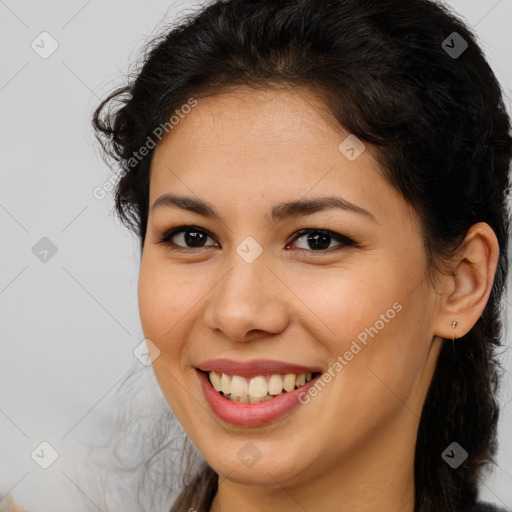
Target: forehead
x=272, y=114
x=264, y=143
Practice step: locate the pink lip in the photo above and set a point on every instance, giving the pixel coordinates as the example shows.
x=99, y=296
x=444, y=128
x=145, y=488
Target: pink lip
x=253, y=368
x=251, y=415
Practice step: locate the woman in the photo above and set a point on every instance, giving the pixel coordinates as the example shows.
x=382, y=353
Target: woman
x=319, y=190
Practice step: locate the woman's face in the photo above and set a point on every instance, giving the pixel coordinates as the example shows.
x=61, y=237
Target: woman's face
x=293, y=256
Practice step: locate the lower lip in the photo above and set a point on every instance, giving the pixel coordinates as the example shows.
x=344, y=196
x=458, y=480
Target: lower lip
x=251, y=415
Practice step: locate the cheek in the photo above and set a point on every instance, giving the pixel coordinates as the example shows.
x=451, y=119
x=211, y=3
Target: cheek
x=381, y=360
x=165, y=296
x=156, y=305
x=375, y=319
x=344, y=302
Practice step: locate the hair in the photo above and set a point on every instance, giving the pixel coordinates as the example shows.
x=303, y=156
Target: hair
x=442, y=138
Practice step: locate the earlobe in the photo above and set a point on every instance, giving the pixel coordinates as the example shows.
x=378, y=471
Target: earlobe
x=471, y=281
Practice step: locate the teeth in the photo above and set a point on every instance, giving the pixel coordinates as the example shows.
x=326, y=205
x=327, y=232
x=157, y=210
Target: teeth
x=216, y=381
x=259, y=400
x=289, y=382
x=225, y=384
x=256, y=389
x=238, y=386
x=275, y=385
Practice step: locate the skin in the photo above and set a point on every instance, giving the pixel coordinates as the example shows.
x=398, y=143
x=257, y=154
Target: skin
x=351, y=448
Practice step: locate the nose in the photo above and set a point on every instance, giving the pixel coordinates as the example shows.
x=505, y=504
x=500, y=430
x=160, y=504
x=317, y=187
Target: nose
x=249, y=303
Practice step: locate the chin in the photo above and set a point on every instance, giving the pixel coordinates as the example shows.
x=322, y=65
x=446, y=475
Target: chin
x=258, y=463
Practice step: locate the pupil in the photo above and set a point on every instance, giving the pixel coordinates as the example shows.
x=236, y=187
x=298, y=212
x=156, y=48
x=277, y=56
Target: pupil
x=319, y=241
x=194, y=238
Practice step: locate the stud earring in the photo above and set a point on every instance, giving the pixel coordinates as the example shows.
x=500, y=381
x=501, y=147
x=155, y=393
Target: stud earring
x=455, y=323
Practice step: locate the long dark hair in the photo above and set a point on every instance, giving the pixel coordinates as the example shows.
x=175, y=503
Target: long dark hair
x=408, y=77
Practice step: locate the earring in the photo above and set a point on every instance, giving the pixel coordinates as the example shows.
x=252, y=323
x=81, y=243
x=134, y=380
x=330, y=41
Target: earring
x=455, y=323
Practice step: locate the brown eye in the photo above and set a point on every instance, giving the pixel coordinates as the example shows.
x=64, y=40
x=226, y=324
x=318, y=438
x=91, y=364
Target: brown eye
x=187, y=237
x=317, y=240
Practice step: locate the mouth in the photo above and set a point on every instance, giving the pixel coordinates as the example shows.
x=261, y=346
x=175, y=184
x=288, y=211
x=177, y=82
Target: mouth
x=250, y=394
x=255, y=398
x=258, y=388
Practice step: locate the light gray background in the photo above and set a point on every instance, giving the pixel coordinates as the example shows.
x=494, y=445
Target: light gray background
x=69, y=326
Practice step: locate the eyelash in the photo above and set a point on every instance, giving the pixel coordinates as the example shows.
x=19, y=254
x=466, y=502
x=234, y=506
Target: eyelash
x=344, y=241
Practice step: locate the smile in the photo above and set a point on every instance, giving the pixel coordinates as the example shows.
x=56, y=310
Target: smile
x=254, y=393
x=258, y=389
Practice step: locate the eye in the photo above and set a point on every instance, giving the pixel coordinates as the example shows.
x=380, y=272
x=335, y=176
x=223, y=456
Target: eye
x=186, y=237
x=311, y=240
x=320, y=240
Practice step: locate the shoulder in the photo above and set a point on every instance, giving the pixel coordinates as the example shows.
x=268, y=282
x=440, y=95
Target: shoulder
x=487, y=507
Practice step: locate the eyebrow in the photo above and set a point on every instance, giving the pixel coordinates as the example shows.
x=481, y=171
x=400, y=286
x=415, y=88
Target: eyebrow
x=298, y=208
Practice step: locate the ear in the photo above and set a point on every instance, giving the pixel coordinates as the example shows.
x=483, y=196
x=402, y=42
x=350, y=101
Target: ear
x=466, y=290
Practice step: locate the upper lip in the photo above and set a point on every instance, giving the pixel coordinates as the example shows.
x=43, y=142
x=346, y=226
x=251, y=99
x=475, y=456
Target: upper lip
x=254, y=367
